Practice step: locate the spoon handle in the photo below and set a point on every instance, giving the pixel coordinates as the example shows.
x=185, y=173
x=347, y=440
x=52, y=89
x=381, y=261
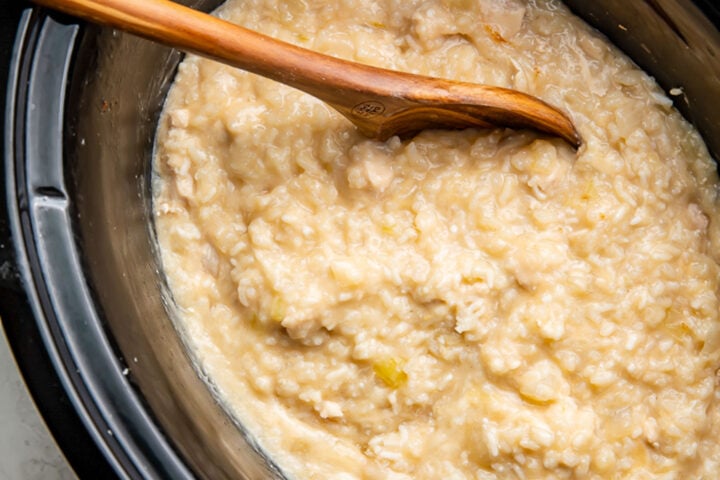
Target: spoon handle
x=191, y=30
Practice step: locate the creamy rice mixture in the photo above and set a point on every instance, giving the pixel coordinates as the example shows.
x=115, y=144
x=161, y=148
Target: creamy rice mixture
x=475, y=304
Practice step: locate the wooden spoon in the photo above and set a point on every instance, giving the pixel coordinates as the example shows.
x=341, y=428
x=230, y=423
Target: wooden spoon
x=381, y=103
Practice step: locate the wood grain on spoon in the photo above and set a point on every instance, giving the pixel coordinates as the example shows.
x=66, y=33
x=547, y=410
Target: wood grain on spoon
x=381, y=103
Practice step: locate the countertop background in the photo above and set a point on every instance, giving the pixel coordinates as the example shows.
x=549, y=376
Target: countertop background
x=27, y=450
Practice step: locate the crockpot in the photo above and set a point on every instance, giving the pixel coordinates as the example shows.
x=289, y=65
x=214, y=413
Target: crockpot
x=83, y=299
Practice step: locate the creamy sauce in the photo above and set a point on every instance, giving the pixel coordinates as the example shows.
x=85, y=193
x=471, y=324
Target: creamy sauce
x=475, y=304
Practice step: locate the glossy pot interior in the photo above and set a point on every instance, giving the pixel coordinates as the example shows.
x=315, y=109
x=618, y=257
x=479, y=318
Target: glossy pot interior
x=82, y=132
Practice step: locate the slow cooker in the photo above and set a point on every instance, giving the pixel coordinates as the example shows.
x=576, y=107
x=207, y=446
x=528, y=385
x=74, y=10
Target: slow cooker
x=82, y=295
